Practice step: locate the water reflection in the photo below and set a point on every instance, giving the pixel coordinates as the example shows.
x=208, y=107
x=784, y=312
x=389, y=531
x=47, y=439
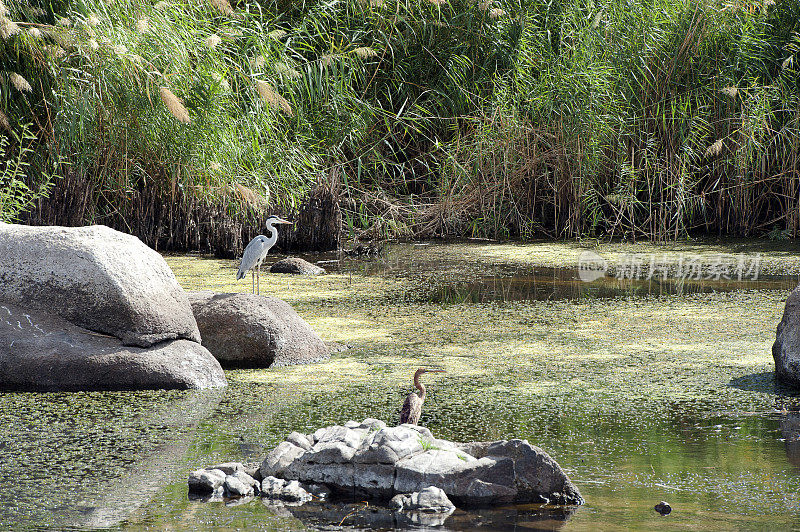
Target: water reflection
x=374, y=517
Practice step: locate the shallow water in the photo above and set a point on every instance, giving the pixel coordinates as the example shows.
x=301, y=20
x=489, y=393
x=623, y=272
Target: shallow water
x=643, y=391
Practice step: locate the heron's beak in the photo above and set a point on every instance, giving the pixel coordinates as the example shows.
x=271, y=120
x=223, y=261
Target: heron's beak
x=282, y=221
x=436, y=371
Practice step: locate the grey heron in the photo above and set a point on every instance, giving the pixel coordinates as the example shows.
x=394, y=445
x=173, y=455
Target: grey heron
x=256, y=251
x=412, y=407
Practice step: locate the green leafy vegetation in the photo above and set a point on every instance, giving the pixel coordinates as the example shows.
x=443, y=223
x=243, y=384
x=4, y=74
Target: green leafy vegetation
x=182, y=121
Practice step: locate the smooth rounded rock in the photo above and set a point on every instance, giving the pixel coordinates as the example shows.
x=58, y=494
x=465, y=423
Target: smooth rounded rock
x=43, y=352
x=253, y=330
x=96, y=278
x=297, y=266
x=786, y=349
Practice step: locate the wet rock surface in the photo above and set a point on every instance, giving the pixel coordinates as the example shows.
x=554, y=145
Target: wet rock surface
x=430, y=500
x=373, y=460
x=43, y=352
x=96, y=278
x=255, y=331
x=786, y=349
x=297, y=266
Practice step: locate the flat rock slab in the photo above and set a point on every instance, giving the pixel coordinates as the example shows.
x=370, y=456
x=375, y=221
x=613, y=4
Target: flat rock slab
x=254, y=330
x=786, y=349
x=373, y=460
x=43, y=352
x=96, y=278
x=296, y=266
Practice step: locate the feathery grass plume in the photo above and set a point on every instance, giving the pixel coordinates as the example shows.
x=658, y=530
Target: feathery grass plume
x=715, y=149
x=36, y=33
x=223, y=6
x=274, y=99
x=731, y=92
x=438, y=2
x=64, y=22
x=161, y=6
x=286, y=70
x=20, y=83
x=365, y=52
x=120, y=49
x=328, y=59
x=3, y=9
x=93, y=20
x=213, y=40
x=8, y=28
x=787, y=62
x=250, y=196
x=54, y=51
x=174, y=105
x=597, y=18
x=769, y=2
x=485, y=5
x=258, y=61
x=496, y=12
x=276, y=34
x=93, y=44
x=4, y=121
x=143, y=25
x=215, y=166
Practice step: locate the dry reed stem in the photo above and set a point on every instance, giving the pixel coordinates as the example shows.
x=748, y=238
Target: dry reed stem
x=272, y=98
x=20, y=83
x=174, y=105
x=4, y=121
x=223, y=6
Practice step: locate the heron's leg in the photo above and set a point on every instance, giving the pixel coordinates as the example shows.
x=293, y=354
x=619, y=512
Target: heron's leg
x=258, y=277
x=253, y=278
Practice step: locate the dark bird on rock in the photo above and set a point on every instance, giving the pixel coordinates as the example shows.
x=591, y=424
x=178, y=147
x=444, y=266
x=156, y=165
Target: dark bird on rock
x=412, y=408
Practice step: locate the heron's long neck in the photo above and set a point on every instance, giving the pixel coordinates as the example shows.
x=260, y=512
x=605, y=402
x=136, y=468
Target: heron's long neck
x=273, y=235
x=419, y=386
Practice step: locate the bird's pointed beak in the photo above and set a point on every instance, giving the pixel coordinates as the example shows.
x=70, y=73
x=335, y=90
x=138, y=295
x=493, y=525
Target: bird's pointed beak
x=282, y=221
x=436, y=371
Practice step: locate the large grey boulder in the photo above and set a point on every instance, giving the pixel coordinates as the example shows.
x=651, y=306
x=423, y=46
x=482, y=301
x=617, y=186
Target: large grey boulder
x=254, y=330
x=370, y=459
x=43, y=352
x=786, y=349
x=96, y=278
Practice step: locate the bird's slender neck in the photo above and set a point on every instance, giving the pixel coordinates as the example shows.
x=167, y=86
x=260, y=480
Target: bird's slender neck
x=272, y=233
x=419, y=385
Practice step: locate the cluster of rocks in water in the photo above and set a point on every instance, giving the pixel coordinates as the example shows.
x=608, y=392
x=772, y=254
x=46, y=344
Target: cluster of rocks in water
x=91, y=308
x=404, y=465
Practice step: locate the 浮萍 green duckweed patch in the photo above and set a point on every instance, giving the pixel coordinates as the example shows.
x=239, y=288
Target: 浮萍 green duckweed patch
x=641, y=395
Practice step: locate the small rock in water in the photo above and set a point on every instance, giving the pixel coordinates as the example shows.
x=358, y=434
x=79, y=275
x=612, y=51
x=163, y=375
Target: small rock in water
x=663, y=508
x=278, y=488
x=228, y=467
x=236, y=488
x=205, y=481
x=430, y=499
x=296, y=266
